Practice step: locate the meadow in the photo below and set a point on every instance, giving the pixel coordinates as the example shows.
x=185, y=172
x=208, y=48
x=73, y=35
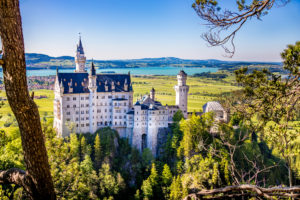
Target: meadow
x=201, y=91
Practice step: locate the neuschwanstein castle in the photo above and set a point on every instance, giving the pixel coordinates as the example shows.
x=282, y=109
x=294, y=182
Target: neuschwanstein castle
x=89, y=101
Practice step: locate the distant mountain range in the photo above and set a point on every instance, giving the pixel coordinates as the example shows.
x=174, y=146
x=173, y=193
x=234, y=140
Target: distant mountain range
x=42, y=61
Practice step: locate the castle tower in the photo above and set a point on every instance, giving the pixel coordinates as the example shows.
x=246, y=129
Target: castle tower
x=80, y=58
x=182, y=91
x=152, y=94
x=92, y=98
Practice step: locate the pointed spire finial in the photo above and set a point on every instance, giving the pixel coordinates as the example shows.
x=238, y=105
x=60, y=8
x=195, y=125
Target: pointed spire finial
x=79, y=46
x=93, y=70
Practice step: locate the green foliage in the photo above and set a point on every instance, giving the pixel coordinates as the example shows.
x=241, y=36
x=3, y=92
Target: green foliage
x=166, y=175
x=271, y=105
x=97, y=152
x=110, y=183
x=177, y=192
x=195, y=134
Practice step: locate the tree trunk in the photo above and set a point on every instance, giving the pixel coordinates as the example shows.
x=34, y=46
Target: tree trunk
x=38, y=181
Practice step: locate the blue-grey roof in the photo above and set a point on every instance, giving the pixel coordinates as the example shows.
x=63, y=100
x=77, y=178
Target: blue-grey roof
x=80, y=82
x=131, y=112
x=79, y=47
x=93, y=70
x=212, y=106
x=182, y=73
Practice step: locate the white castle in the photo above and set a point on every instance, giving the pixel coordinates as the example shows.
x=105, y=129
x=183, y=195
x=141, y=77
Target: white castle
x=85, y=102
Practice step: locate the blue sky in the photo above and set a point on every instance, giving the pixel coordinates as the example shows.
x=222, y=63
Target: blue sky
x=126, y=29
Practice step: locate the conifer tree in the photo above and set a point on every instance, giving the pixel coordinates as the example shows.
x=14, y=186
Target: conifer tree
x=97, y=151
x=83, y=148
x=166, y=175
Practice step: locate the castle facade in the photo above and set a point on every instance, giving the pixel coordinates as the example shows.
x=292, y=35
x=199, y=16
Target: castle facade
x=85, y=102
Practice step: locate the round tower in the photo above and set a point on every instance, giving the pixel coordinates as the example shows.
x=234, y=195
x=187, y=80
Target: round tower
x=182, y=91
x=80, y=58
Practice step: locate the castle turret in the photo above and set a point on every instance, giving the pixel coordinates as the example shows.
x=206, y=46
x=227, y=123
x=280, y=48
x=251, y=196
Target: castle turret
x=80, y=58
x=152, y=94
x=182, y=91
x=92, y=98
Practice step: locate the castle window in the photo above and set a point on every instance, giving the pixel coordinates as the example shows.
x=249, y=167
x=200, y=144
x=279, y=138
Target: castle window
x=68, y=98
x=120, y=123
x=82, y=125
x=82, y=105
x=68, y=113
x=110, y=110
x=87, y=118
x=87, y=124
x=124, y=123
x=124, y=116
x=98, y=111
x=68, y=119
x=110, y=103
x=82, y=98
x=105, y=110
x=68, y=106
x=77, y=119
x=120, y=117
x=86, y=98
x=74, y=106
x=115, y=123
x=77, y=112
x=103, y=97
x=76, y=125
x=74, y=98
x=97, y=97
x=82, y=118
x=82, y=112
x=87, y=112
x=115, y=117
x=101, y=123
x=124, y=103
x=87, y=105
x=109, y=97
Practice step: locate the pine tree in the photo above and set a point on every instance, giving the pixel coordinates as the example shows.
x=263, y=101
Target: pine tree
x=166, y=175
x=97, y=150
x=83, y=148
x=147, y=189
x=74, y=147
x=154, y=175
x=177, y=191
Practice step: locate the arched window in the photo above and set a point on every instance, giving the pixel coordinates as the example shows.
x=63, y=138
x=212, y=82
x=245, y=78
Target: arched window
x=144, y=141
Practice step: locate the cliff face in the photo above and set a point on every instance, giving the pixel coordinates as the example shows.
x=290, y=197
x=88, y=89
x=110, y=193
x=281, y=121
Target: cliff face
x=162, y=137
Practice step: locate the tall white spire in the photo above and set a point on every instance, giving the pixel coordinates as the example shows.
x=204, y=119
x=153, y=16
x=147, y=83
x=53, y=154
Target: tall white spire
x=80, y=58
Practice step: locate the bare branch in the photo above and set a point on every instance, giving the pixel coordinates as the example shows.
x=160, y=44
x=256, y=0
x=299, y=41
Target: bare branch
x=246, y=190
x=230, y=21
